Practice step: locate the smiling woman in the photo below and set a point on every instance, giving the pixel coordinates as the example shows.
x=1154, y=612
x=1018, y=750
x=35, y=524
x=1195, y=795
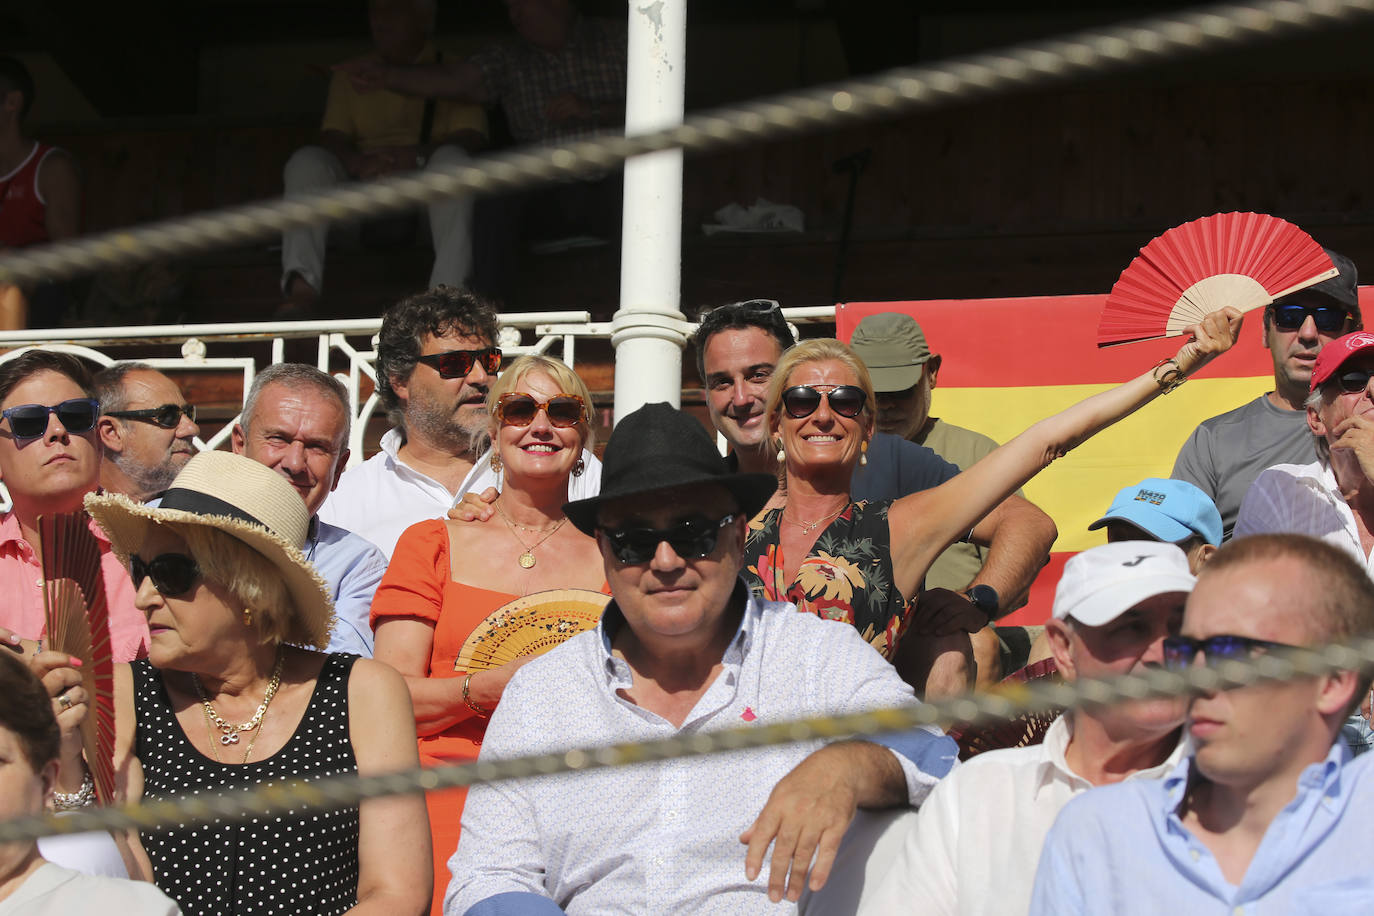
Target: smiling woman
x=447, y=578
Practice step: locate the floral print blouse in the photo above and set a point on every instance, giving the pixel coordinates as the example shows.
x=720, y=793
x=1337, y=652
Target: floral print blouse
x=847, y=576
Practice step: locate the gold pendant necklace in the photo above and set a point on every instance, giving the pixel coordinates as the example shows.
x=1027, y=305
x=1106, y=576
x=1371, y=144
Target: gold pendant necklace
x=229, y=733
x=526, y=559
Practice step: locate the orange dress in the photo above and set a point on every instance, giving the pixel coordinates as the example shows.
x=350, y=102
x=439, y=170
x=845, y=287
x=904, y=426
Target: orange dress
x=419, y=584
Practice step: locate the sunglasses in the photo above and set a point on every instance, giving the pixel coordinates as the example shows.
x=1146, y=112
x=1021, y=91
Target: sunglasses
x=173, y=574
x=167, y=416
x=801, y=401
x=458, y=363
x=30, y=421
x=1328, y=318
x=692, y=538
x=563, y=410
x=1353, y=380
x=1179, y=651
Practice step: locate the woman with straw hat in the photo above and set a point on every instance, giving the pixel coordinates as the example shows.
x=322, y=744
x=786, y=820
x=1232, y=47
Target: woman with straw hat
x=226, y=699
x=448, y=578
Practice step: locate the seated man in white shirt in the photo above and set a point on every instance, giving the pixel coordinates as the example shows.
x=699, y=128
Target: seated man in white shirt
x=974, y=845
x=682, y=649
x=436, y=356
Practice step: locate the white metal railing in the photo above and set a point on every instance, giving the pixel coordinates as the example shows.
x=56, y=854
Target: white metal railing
x=520, y=333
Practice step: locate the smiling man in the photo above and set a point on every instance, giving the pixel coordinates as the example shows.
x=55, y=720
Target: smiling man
x=1268, y=814
x=49, y=461
x=295, y=420
x=436, y=358
x=682, y=649
x=1225, y=454
x=147, y=430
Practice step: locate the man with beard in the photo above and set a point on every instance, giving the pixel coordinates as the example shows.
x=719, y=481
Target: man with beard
x=436, y=356
x=147, y=430
x=1225, y=454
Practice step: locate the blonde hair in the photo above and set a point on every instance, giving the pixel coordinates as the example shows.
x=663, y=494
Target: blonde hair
x=568, y=382
x=817, y=350
x=251, y=578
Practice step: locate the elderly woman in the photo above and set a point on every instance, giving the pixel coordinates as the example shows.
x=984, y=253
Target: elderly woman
x=865, y=562
x=447, y=576
x=226, y=700
x=29, y=744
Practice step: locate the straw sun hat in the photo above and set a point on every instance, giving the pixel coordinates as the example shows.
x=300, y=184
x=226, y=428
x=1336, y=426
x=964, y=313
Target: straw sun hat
x=244, y=499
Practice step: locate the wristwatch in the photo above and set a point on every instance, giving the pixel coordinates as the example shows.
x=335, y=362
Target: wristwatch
x=985, y=599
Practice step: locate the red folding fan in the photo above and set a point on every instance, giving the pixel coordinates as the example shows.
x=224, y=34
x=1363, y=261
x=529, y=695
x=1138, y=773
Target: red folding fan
x=1246, y=260
x=77, y=619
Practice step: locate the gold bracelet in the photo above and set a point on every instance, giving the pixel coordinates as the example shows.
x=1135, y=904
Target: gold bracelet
x=1169, y=379
x=467, y=698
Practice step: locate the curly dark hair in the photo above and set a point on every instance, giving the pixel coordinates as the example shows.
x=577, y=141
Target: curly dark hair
x=436, y=312
x=27, y=711
x=736, y=316
x=32, y=362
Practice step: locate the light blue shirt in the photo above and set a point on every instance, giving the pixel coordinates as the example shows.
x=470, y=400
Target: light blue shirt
x=352, y=566
x=1123, y=849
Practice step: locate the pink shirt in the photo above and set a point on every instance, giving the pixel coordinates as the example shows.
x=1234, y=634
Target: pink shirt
x=21, y=592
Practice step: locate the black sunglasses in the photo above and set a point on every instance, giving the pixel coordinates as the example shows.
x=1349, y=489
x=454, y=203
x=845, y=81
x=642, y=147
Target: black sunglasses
x=1328, y=318
x=801, y=401
x=1353, y=380
x=167, y=416
x=692, y=538
x=563, y=410
x=30, y=421
x=1179, y=651
x=173, y=574
x=458, y=363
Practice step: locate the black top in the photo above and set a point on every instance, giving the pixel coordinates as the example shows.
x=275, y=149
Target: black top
x=298, y=862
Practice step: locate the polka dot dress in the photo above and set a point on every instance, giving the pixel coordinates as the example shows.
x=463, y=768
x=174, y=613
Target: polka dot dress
x=298, y=862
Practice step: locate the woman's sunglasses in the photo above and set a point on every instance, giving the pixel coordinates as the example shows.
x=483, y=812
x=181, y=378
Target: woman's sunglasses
x=173, y=574
x=563, y=410
x=1179, y=651
x=1328, y=318
x=168, y=416
x=458, y=363
x=692, y=538
x=801, y=401
x=30, y=421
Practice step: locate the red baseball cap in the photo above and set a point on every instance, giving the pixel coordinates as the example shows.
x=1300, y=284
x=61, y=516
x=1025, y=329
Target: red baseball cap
x=1334, y=355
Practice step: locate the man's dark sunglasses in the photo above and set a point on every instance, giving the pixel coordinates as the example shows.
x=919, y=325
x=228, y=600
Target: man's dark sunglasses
x=1328, y=318
x=173, y=574
x=30, y=421
x=801, y=401
x=1353, y=380
x=692, y=538
x=518, y=409
x=1179, y=651
x=167, y=416
x=458, y=363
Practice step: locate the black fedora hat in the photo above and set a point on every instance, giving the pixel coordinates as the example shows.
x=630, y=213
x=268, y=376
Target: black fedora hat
x=658, y=447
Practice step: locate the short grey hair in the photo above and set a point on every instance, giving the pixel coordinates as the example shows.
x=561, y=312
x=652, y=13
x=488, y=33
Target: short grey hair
x=298, y=375
x=109, y=384
x=1314, y=401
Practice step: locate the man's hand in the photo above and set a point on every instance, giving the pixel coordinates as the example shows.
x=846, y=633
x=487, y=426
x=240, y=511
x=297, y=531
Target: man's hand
x=941, y=612
x=806, y=816
x=475, y=508
x=366, y=73
x=1357, y=435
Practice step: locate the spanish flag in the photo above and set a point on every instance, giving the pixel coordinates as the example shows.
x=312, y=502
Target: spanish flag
x=1009, y=362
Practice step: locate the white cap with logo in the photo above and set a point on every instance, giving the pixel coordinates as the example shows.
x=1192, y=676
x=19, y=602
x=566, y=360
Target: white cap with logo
x=1101, y=584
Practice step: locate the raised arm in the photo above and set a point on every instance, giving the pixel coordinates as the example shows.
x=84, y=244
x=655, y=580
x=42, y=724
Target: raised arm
x=924, y=524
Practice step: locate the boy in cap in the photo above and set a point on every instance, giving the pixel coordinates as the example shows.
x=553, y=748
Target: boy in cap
x=1172, y=511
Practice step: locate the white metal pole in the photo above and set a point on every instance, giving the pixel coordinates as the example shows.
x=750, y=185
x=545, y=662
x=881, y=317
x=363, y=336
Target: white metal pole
x=649, y=332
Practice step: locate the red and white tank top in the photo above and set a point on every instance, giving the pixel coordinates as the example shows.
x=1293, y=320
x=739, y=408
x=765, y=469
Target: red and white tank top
x=22, y=207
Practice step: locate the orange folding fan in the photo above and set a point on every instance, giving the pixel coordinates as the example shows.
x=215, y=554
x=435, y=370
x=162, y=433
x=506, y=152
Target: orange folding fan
x=77, y=621
x=1245, y=260
x=531, y=625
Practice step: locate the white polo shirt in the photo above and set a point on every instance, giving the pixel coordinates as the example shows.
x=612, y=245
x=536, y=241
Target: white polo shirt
x=384, y=496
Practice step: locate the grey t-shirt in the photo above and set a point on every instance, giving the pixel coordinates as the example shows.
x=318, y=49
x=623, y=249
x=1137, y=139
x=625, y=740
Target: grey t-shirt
x=1225, y=454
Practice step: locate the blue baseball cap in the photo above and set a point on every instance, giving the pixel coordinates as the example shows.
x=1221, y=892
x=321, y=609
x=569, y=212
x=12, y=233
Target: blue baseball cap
x=1167, y=510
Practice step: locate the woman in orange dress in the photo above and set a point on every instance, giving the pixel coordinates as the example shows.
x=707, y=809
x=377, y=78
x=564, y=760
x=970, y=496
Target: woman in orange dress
x=447, y=576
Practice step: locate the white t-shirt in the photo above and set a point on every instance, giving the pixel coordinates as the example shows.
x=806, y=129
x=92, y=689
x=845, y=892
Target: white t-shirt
x=56, y=891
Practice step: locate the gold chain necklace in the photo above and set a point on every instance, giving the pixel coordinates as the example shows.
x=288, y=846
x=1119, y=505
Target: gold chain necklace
x=526, y=559
x=808, y=527
x=229, y=733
